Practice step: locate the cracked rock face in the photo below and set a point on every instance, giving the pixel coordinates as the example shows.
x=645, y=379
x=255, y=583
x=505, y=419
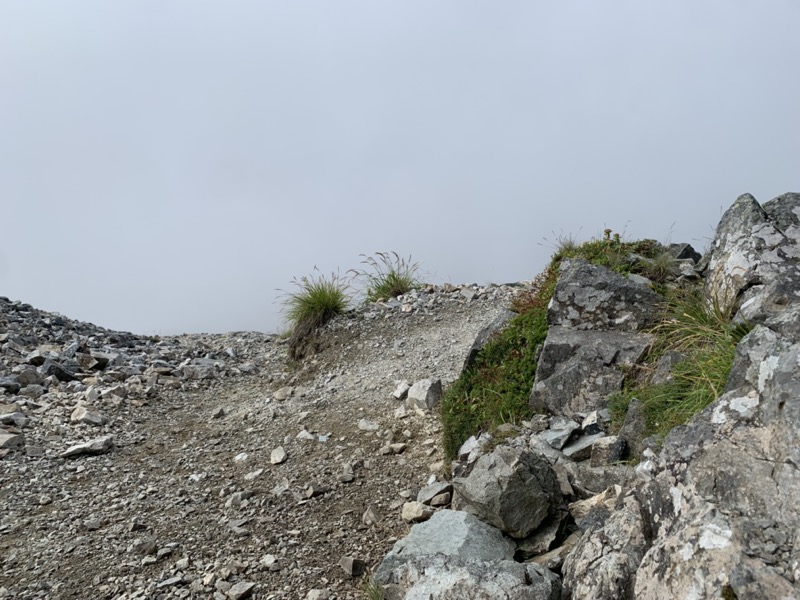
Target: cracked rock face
x=591, y=297
x=595, y=319
x=578, y=370
x=717, y=513
x=750, y=251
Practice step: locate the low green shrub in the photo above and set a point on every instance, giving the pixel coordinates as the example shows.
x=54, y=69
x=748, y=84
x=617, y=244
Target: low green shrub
x=497, y=388
x=387, y=275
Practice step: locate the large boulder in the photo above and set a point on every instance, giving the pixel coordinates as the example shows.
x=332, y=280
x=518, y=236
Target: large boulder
x=511, y=488
x=588, y=296
x=596, y=317
x=719, y=507
x=716, y=514
x=727, y=494
x=749, y=251
x=444, y=578
x=769, y=296
x=455, y=555
x=578, y=370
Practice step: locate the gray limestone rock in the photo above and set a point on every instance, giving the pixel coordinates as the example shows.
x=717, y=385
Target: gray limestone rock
x=581, y=449
x=401, y=391
x=578, y=370
x=33, y=391
x=607, y=451
x=554, y=559
x=591, y=297
x=595, y=510
x=424, y=394
x=510, y=488
x=588, y=481
x=748, y=250
x=450, y=533
x=87, y=415
x=97, y=446
x=29, y=377
x=17, y=419
x=542, y=539
x=416, y=512
x=278, y=456
x=718, y=507
x=241, y=590
x=445, y=578
x=633, y=429
x=429, y=492
x=593, y=423
x=684, y=252
x=724, y=495
x=9, y=384
x=352, y=567
x=10, y=440
x=602, y=566
x=61, y=371
x=560, y=432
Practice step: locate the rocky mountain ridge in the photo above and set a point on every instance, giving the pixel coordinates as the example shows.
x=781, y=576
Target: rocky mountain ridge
x=213, y=466
x=711, y=513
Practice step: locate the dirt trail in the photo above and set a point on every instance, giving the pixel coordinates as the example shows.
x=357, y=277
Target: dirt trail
x=189, y=505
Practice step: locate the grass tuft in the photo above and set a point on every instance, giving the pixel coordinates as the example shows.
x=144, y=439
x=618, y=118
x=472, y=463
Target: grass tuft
x=316, y=301
x=372, y=590
x=387, y=275
x=706, y=340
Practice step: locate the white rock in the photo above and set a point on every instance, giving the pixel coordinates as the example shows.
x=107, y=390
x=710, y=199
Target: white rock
x=401, y=391
x=96, y=446
x=416, y=512
x=277, y=456
x=367, y=425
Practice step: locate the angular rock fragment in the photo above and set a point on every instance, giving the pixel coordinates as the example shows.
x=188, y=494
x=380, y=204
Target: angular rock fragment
x=278, y=456
x=97, y=446
x=87, y=415
x=607, y=451
x=512, y=489
x=241, y=590
x=352, y=567
x=560, y=432
x=11, y=440
x=416, y=512
x=425, y=394
x=581, y=449
x=428, y=493
x=401, y=391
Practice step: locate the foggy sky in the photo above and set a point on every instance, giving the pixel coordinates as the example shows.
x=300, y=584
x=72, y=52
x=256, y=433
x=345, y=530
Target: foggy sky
x=166, y=165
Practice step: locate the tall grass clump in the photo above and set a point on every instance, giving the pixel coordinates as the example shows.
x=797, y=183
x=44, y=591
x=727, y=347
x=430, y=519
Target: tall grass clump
x=496, y=389
x=317, y=299
x=387, y=275
x=705, y=339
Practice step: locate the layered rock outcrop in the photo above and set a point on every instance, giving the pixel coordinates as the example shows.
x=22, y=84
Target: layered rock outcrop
x=714, y=512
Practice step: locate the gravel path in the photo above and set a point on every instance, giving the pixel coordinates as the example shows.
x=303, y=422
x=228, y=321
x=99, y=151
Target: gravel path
x=189, y=502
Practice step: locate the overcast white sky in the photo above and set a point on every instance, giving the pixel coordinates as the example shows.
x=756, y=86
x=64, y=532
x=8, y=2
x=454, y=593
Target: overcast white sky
x=165, y=165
